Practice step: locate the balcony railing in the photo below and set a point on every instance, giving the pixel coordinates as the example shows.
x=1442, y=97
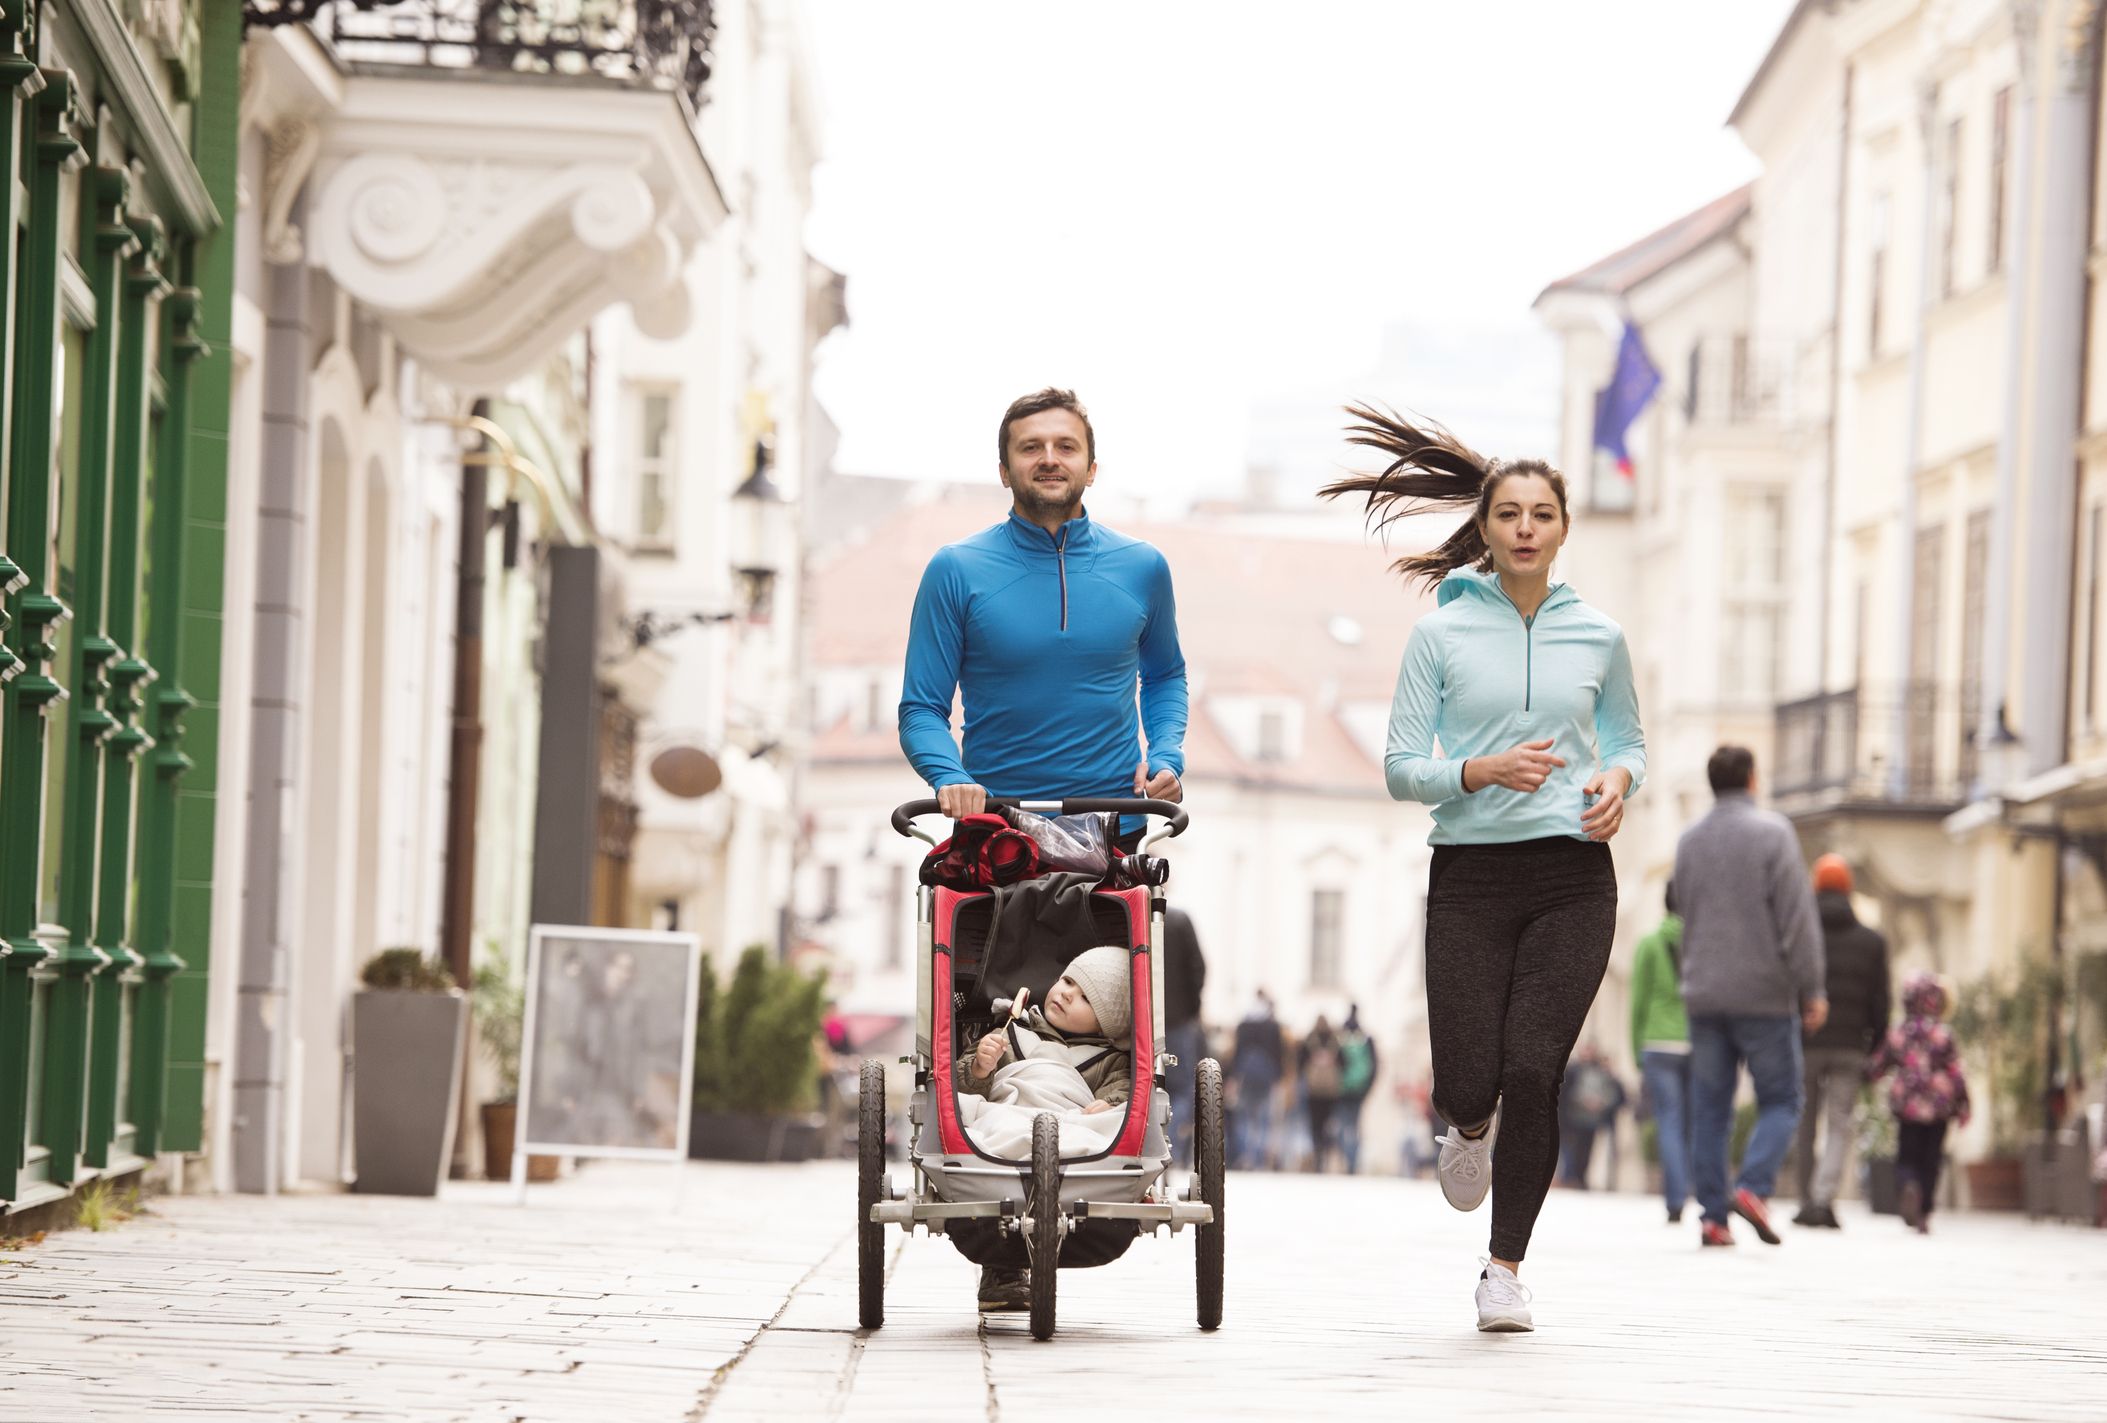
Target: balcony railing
x=663, y=43
x=1738, y=379
x=1911, y=745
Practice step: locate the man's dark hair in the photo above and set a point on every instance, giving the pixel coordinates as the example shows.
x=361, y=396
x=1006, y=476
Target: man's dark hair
x=1731, y=768
x=1668, y=897
x=1038, y=403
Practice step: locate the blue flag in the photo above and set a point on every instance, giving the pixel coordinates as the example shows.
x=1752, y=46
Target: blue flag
x=1631, y=386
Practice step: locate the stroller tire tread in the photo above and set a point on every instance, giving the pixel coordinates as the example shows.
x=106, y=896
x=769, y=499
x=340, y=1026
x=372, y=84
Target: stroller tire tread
x=1046, y=1222
x=870, y=1180
x=1208, y=1146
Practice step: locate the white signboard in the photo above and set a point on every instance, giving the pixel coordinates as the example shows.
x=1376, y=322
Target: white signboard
x=607, y=1059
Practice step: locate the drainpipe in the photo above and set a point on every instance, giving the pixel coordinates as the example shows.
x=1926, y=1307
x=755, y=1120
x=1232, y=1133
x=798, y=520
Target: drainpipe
x=1913, y=438
x=1993, y=732
x=457, y=922
x=1836, y=397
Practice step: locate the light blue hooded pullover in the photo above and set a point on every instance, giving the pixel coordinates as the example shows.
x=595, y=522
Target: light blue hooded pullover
x=1479, y=679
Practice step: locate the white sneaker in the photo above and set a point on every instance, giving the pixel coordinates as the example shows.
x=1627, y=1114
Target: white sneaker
x=1465, y=1165
x=1503, y=1302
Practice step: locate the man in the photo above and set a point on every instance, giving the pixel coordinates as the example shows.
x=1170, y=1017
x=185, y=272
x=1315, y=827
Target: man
x=1358, y=1065
x=1857, y=979
x=1660, y=1042
x=1044, y=626
x=1752, y=965
x=1185, y=974
x=1588, y=1104
x=1257, y=1062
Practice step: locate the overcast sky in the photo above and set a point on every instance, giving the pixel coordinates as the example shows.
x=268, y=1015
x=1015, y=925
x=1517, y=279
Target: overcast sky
x=1191, y=211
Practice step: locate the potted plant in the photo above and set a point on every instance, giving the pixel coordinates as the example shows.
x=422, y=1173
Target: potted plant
x=2000, y=1018
x=500, y=1018
x=1876, y=1154
x=756, y=1074
x=409, y=1032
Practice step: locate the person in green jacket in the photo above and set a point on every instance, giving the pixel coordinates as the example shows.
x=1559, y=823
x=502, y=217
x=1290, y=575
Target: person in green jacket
x=1660, y=1041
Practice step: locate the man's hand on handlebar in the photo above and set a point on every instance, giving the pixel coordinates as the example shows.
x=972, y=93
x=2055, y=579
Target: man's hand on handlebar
x=1165, y=785
x=962, y=800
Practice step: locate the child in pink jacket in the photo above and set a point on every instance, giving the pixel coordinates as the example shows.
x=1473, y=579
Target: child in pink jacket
x=1928, y=1092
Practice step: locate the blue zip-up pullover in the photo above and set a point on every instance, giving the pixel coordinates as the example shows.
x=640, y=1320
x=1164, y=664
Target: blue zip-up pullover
x=1046, y=636
x=1480, y=679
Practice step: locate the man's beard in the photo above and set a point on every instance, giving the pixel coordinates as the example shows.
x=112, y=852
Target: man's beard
x=1036, y=501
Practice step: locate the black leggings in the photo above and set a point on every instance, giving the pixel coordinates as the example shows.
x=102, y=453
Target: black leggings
x=1918, y=1149
x=1518, y=937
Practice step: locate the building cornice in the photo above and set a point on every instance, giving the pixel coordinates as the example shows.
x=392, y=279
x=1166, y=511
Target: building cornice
x=171, y=175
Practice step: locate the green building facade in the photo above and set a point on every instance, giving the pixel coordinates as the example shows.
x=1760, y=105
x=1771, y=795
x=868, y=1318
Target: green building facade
x=121, y=121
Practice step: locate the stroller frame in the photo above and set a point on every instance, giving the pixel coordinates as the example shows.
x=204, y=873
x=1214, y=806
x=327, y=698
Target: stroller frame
x=1043, y=1212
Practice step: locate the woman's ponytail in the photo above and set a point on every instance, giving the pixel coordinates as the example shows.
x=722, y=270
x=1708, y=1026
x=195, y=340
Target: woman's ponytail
x=1429, y=470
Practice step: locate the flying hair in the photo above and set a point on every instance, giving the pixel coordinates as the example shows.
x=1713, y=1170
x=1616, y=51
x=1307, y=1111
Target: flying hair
x=1429, y=471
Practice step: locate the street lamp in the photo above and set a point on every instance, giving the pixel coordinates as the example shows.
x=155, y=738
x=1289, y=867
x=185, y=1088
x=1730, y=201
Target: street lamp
x=759, y=517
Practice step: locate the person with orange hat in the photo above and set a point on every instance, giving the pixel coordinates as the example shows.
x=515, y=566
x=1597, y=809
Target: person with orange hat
x=1855, y=961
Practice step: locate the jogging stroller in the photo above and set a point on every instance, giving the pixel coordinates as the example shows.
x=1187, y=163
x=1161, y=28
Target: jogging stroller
x=1040, y=1211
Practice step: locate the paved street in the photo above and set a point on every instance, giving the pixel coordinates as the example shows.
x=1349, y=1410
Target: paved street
x=600, y=1300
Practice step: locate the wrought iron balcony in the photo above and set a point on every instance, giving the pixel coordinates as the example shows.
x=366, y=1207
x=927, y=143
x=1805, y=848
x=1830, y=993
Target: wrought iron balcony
x=1911, y=745
x=663, y=43
x=1738, y=379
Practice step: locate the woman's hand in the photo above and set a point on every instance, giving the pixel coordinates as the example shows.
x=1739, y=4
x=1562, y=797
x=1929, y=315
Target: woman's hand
x=1521, y=768
x=1100, y=1105
x=1603, y=819
x=987, y=1053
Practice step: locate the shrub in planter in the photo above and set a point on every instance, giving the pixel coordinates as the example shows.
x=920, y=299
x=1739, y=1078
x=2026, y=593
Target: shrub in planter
x=756, y=1075
x=1876, y=1153
x=409, y=1029
x=500, y=1016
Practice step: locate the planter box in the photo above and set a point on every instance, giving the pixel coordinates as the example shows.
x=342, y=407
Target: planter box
x=1996, y=1184
x=1882, y=1194
x=500, y=1128
x=408, y=1050
x=751, y=1136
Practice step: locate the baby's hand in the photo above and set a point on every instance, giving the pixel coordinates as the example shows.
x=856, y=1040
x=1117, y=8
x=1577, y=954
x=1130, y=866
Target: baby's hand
x=1100, y=1105
x=987, y=1053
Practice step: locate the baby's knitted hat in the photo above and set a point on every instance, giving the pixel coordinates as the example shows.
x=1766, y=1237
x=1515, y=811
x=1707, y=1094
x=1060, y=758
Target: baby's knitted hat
x=1103, y=975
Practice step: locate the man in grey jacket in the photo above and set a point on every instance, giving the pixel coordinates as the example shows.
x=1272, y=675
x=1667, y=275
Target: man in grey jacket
x=1752, y=976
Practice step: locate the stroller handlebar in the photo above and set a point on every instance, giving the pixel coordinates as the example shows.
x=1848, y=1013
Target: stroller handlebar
x=904, y=816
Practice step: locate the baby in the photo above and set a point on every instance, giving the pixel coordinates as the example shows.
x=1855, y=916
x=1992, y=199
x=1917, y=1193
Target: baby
x=1087, y=1017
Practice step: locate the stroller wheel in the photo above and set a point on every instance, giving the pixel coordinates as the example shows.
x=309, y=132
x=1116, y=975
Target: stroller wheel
x=870, y=1181
x=1207, y=1185
x=1046, y=1222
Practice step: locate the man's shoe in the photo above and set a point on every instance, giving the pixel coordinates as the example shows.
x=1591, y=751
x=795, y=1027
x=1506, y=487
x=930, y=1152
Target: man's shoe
x=1465, y=1165
x=1913, y=1205
x=1503, y=1302
x=1750, y=1208
x=1714, y=1232
x=1003, y=1291
x=1829, y=1220
x=1808, y=1216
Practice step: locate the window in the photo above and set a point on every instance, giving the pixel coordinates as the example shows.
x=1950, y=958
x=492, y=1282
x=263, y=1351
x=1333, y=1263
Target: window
x=1922, y=692
x=1327, y=936
x=1753, y=615
x=1975, y=569
x=656, y=471
x=896, y=917
x=829, y=891
x=2092, y=615
x=2000, y=146
x=1876, y=274
x=1272, y=735
x=1950, y=213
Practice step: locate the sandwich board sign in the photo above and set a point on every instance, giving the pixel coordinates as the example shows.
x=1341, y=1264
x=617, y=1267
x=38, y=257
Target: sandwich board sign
x=607, y=1052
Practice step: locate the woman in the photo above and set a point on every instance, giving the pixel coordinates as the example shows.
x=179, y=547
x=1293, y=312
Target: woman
x=1528, y=693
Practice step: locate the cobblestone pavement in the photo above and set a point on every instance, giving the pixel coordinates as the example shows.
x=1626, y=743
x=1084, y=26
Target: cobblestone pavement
x=605, y=1299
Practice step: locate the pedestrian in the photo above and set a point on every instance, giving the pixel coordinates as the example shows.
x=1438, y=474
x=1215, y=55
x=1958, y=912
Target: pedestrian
x=1752, y=979
x=1256, y=1065
x=1587, y=1106
x=1185, y=974
x=1660, y=1041
x=1323, y=1071
x=1528, y=693
x=1929, y=1091
x=1358, y=1062
x=1060, y=637
x=1855, y=960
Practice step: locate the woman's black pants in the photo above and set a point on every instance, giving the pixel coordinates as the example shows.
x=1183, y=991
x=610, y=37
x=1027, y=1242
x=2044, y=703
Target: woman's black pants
x=1518, y=937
